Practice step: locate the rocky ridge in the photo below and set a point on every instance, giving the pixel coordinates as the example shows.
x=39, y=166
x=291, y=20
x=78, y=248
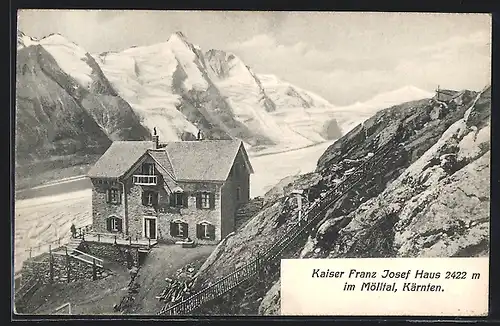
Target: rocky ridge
x=443, y=148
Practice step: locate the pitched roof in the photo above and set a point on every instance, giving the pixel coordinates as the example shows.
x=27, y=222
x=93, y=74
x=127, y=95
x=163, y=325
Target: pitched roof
x=161, y=157
x=447, y=92
x=207, y=160
x=118, y=159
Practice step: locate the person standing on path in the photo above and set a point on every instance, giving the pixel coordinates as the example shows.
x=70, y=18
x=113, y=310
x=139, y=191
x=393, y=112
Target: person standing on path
x=73, y=231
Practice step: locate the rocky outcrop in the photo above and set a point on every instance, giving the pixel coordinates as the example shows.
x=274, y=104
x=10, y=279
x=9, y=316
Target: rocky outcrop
x=57, y=115
x=271, y=302
x=439, y=206
x=49, y=121
x=394, y=211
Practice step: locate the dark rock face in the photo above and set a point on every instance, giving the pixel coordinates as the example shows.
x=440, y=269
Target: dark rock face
x=59, y=119
x=49, y=120
x=431, y=198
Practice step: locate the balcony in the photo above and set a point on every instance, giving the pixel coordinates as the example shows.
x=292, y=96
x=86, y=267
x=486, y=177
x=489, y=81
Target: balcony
x=146, y=180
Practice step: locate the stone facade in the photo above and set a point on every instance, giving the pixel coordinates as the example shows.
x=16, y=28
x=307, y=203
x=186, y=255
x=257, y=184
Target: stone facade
x=101, y=209
x=204, y=225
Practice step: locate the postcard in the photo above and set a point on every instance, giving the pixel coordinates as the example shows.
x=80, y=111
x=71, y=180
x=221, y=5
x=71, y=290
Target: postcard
x=207, y=163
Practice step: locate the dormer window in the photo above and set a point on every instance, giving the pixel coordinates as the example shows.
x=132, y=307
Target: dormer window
x=205, y=200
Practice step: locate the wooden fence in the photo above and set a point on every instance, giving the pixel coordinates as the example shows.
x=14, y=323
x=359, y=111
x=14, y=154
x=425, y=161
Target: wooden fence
x=252, y=268
x=86, y=234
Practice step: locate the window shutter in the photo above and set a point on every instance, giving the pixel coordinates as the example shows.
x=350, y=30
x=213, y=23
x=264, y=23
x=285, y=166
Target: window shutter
x=185, y=200
x=199, y=231
x=172, y=200
x=185, y=230
x=198, y=200
x=212, y=200
x=120, y=195
x=108, y=195
x=173, y=229
x=108, y=224
x=211, y=231
x=155, y=199
x=119, y=224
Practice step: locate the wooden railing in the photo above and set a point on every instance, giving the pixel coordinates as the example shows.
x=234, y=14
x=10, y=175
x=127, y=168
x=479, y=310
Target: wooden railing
x=252, y=268
x=85, y=257
x=145, y=180
x=81, y=231
x=118, y=239
x=47, y=246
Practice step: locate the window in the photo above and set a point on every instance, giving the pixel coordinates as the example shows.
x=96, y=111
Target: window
x=179, y=229
x=113, y=196
x=148, y=169
x=205, y=230
x=238, y=193
x=205, y=200
x=150, y=198
x=114, y=224
x=179, y=199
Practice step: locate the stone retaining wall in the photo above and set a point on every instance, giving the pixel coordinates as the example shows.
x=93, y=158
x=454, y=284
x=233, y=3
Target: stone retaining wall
x=111, y=252
x=58, y=268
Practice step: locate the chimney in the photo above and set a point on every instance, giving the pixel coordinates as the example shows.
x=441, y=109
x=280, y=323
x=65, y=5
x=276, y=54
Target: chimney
x=156, y=139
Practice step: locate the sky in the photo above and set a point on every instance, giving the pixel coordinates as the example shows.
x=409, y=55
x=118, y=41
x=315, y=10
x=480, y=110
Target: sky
x=344, y=57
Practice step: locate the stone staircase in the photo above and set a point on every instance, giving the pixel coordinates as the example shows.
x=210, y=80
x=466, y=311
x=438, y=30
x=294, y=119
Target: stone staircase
x=74, y=244
x=247, y=211
x=72, y=250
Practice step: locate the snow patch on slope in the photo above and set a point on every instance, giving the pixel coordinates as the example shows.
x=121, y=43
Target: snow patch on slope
x=305, y=113
x=70, y=58
x=249, y=100
x=24, y=40
x=143, y=77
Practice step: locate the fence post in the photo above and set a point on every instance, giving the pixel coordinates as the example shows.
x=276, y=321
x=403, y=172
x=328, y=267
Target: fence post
x=149, y=243
x=98, y=237
x=30, y=252
x=94, y=270
x=68, y=265
x=51, y=265
x=130, y=241
x=115, y=238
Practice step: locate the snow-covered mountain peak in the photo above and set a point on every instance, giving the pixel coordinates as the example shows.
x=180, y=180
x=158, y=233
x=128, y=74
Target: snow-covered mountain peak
x=24, y=40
